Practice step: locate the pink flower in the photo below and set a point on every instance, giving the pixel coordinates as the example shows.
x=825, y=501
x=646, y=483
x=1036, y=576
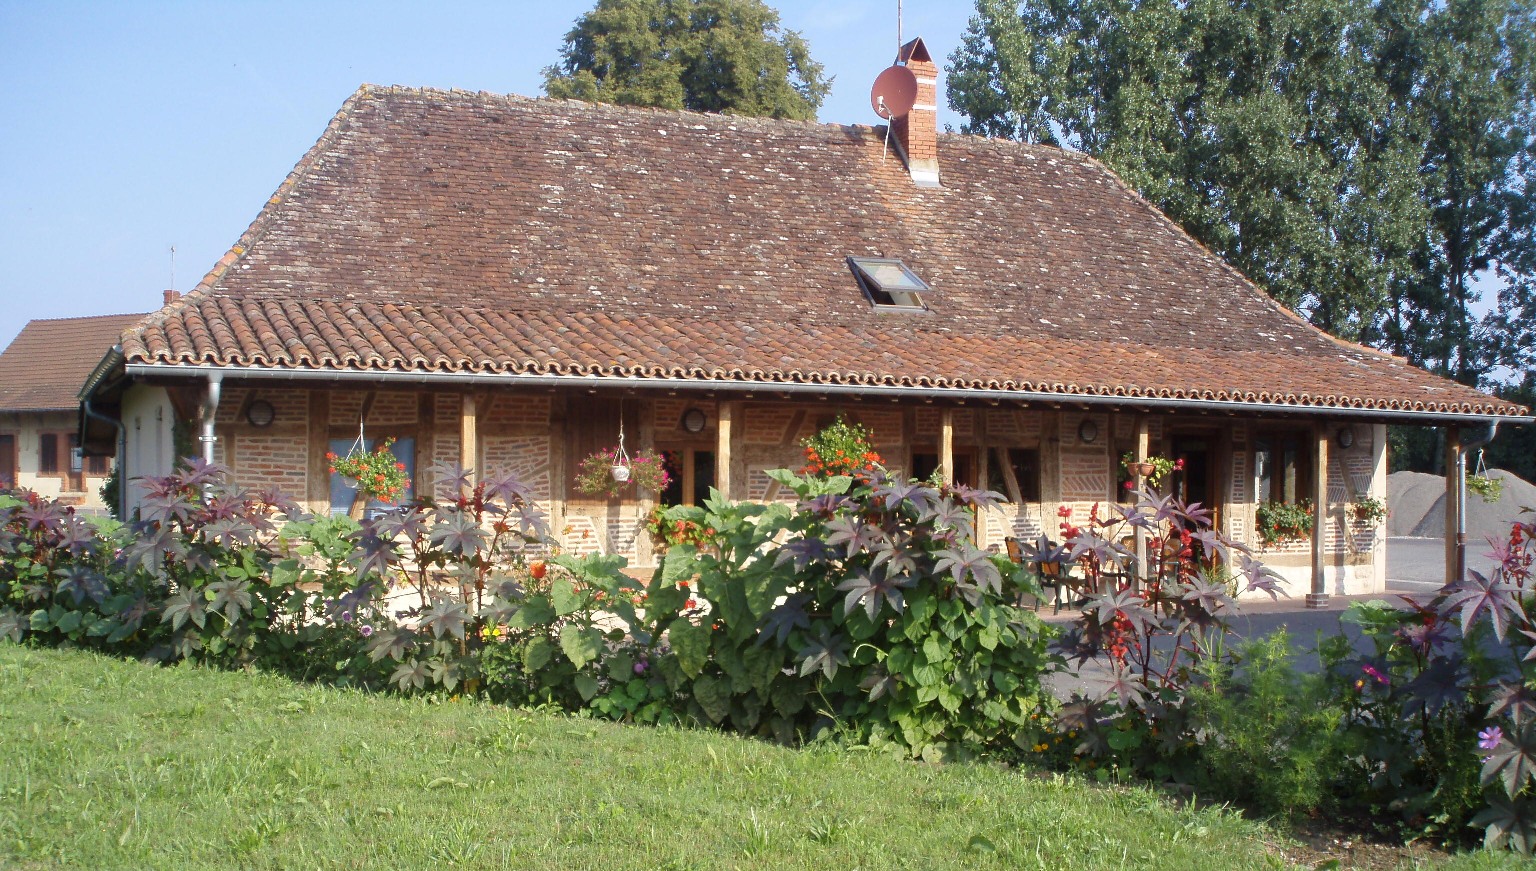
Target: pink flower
x=1490, y=737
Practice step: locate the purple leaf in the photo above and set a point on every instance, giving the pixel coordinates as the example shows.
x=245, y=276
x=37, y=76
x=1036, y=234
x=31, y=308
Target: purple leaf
x=1477, y=596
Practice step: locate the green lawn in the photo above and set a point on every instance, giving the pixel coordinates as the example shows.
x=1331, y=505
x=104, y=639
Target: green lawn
x=107, y=764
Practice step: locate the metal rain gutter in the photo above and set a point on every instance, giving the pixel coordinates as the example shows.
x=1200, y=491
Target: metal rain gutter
x=634, y=383
x=111, y=360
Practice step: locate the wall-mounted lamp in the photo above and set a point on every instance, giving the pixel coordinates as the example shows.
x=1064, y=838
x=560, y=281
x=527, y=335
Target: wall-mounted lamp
x=1345, y=437
x=1087, y=431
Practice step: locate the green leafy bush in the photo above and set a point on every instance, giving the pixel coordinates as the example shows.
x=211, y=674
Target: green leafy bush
x=1268, y=731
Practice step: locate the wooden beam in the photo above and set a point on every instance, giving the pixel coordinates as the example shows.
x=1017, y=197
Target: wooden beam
x=469, y=439
x=1454, y=491
x=726, y=416
x=1143, y=449
x=1318, y=597
x=947, y=445
x=317, y=489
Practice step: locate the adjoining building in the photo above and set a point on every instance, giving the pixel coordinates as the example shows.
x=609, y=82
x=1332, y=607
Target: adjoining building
x=41, y=372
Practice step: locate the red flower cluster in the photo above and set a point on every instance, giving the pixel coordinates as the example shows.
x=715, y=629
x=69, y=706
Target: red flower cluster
x=838, y=462
x=1118, y=636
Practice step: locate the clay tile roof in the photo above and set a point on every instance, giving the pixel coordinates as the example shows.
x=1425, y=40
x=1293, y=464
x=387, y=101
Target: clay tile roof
x=47, y=363
x=431, y=231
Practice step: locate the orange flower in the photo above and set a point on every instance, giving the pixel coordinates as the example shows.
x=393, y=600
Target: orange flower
x=538, y=569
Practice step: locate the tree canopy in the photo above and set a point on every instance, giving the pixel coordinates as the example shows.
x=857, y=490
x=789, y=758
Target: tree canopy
x=704, y=55
x=1364, y=161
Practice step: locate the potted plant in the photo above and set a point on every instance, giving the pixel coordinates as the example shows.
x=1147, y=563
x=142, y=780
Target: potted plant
x=610, y=470
x=1284, y=521
x=376, y=474
x=1486, y=486
x=1154, y=469
x=841, y=449
x=1368, y=511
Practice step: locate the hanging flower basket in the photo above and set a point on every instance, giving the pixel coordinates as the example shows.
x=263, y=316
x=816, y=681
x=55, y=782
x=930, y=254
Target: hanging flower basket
x=376, y=474
x=1368, y=511
x=1486, y=486
x=608, y=472
x=1154, y=469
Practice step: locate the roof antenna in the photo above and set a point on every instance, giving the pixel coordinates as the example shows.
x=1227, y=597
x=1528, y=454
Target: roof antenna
x=173, y=267
x=898, y=25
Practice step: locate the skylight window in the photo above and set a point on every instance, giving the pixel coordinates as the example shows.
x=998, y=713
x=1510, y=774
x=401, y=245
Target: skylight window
x=888, y=283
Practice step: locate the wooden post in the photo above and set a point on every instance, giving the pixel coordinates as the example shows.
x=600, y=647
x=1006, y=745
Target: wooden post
x=318, y=484
x=983, y=472
x=726, y=415
x=1318, y=597
x=1143, y=449
x=947, y=445
x=1378, y=490
x=1454, y=492
x=469, y=442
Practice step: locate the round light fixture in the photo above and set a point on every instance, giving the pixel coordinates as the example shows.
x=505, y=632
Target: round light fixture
x=260, y=413
x=1087, y=431
x=1345, y=437
x=694, y=420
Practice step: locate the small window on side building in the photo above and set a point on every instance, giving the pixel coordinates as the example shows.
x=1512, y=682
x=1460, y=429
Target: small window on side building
x=48, y=454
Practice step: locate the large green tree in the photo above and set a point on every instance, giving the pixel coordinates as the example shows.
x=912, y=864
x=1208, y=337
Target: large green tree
x=705, y=55
x=1359, y=159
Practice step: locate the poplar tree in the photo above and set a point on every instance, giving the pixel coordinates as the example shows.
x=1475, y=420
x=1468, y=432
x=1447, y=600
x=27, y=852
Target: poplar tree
x=1364, y=161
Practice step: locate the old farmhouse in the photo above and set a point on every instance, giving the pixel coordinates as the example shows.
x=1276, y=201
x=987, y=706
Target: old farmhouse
x=500, y=281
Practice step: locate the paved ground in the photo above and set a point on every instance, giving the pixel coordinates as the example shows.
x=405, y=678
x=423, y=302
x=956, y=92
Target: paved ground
x=1415, y=566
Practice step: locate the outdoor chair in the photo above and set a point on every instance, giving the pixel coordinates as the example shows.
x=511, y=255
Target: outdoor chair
x=1049, y=572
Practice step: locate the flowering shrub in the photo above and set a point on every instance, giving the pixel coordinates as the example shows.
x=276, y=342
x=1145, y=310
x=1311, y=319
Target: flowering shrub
x=1157, y=637
x=875, y=613
x=1284, y=521
x=1437, y=724
x=200, y=575
x=377, y=473
x=647, y=469
x=841, y=448
x=666, y=531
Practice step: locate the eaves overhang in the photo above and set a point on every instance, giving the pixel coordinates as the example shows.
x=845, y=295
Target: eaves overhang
x=1425, y=417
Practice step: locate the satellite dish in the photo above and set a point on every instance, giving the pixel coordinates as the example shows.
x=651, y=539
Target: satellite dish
x=894, y=93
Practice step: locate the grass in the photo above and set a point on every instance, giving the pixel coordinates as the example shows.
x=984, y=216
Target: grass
x=110, y=764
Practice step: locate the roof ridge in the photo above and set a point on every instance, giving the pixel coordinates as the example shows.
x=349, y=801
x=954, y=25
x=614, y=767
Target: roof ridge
x=86, y=318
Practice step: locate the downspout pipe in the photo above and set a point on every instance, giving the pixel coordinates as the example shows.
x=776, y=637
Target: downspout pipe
x=121, y=508
x=1477, y=441
x=209, y=411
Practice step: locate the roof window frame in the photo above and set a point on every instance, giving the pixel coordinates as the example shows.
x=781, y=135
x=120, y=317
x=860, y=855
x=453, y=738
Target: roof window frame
x=874, y=291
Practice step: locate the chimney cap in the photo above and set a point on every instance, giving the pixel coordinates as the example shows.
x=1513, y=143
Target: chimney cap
x=913, y=51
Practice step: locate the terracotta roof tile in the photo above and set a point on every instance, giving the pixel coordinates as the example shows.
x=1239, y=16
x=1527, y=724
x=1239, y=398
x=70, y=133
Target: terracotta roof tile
x=452, y=232
x=47, y=363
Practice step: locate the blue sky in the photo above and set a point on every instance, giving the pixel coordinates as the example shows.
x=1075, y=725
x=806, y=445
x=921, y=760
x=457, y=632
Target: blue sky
x=130, y=127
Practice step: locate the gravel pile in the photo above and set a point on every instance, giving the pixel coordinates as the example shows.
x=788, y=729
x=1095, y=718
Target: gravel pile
x=1417, y=503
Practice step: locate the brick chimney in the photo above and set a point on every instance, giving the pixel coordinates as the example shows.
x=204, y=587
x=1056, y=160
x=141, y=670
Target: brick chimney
x=171, y=296
x=917, y=132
